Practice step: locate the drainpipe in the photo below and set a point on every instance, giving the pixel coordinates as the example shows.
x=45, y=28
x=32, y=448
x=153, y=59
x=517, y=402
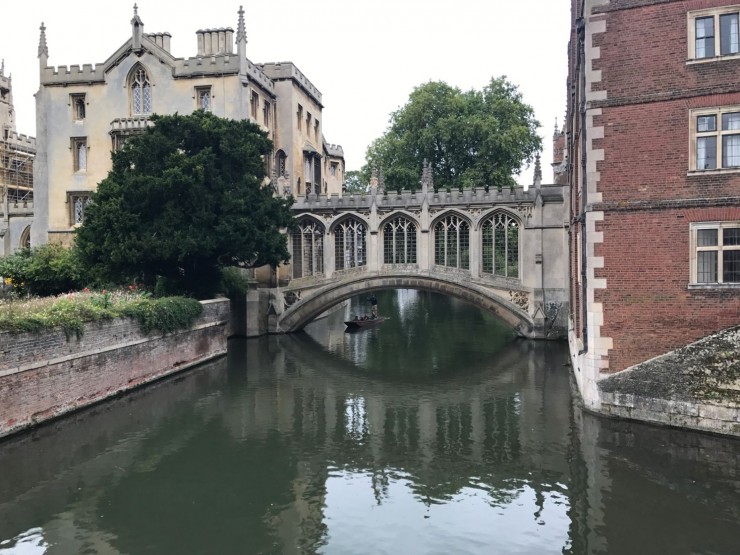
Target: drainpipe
x=581, y=26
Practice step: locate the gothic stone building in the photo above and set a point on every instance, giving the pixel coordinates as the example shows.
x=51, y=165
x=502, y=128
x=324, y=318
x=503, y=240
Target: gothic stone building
x=83, y=113
x=653, y=162
x=16, y=175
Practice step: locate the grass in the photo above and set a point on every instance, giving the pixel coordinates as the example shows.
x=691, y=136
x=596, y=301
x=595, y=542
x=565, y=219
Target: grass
x=72, y=311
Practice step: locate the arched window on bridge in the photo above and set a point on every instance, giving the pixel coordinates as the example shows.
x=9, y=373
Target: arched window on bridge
x=308, y=249
x=399, y=241
x=350, y=247
x=500, y=250
x=452, y=242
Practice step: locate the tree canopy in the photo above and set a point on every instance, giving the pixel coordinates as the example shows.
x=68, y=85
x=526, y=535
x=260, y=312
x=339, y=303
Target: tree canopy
x=470, y=138
x=182, y=200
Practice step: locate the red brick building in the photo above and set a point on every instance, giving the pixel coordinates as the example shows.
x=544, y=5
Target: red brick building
x=653, y=163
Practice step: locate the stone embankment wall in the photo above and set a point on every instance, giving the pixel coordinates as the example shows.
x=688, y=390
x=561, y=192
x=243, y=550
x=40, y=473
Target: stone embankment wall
x=43, y=376
x=696, y=387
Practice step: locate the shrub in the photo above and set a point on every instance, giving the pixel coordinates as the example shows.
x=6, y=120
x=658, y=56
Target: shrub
x=70, y=312
x=234, y=282
x=45, y=270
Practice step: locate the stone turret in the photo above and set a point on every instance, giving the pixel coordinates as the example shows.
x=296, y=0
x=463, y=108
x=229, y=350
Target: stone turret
x=559, y=156
x=7, y=119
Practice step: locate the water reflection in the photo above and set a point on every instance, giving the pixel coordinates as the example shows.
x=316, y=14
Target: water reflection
x=325, y=442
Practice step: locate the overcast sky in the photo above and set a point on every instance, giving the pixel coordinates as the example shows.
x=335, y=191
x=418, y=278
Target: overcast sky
x=364, y=56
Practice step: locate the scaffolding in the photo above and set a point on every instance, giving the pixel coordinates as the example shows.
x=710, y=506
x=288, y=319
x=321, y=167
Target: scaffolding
x=16, y=170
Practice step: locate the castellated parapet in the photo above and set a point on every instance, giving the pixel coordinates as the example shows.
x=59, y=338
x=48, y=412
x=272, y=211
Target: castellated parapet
x=287, y=70
x=21, y=141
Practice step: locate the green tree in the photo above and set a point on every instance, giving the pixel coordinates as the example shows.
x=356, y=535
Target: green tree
x=470, y=138
x=355, y=182
x=183, y=200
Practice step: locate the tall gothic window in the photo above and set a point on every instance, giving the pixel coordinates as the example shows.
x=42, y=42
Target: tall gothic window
x=399, y=241
x=350, y=247
x=452, y=242
x=308, y=249
x=500, y=235
x=141, y=92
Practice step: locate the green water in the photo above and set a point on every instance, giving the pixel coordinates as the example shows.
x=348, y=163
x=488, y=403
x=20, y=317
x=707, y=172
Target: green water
x=435, y=432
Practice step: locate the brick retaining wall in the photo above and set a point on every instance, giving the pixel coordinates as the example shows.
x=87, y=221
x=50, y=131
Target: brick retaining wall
x=43, y=376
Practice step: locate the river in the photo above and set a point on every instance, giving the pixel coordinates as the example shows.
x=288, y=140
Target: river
x=436, y=432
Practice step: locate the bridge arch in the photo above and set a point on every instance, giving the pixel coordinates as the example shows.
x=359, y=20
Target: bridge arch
x=321, y=299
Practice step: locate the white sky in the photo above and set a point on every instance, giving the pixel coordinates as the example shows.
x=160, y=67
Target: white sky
x=364, y=56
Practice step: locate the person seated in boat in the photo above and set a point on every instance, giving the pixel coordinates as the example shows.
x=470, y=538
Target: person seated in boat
x=355, y=318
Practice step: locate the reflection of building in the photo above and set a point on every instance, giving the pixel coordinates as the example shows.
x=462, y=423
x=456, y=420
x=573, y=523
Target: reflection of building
x=84, y=112
x=654, y=172
x=16, y=175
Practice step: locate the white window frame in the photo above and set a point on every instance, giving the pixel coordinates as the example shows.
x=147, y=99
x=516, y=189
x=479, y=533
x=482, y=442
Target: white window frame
x=719, y=248
x=719, y=133
x=691, y=33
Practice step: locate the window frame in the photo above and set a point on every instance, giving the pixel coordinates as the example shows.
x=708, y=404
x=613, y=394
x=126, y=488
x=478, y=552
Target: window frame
x=720, y=248
x=145, y=85
x=74, y=99
x=716, y=14
x=718, y=132
x=85, y=198
x=75, y=144
x=199, y=93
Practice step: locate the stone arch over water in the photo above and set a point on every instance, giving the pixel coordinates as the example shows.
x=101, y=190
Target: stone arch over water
x=319, y=300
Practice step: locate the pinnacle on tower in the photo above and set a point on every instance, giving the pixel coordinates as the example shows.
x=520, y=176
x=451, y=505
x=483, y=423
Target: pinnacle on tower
x=241, y=29
x=43, y=49
x=537, y=170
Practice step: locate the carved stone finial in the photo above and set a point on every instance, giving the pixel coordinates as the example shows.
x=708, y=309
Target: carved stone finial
x=2, y=68
x=43, y=49
x=537, y=170
x=374, y=177
x=557, y=131
x=241, y=28
x=136, y=10
x=381, y=179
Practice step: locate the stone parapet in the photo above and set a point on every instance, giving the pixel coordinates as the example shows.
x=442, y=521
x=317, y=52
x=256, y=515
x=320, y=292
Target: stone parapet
x=43, y=376
x=287, y=70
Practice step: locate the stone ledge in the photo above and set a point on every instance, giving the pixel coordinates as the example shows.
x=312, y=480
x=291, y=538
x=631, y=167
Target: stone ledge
x=696, y=387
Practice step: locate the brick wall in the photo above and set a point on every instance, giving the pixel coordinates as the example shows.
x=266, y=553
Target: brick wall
x=45, y=375
x=644, y=186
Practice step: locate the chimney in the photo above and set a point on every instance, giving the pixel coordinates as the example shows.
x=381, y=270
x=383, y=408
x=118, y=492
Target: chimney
x=162, y=40
x=212, y=42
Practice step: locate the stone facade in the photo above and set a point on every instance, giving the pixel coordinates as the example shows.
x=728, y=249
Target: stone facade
x=504, y=250
x=16, y=175
x=43, y=376
x=655, y=206
x=84, y=112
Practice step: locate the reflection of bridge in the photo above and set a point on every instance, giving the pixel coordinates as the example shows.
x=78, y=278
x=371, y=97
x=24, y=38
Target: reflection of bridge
x=505, y=251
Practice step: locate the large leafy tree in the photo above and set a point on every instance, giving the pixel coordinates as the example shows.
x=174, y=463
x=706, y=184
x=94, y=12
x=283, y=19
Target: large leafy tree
x=470, y=138
x=184, y=199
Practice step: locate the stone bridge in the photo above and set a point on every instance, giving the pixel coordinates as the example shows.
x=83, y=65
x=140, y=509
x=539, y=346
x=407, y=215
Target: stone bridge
x=503, y=250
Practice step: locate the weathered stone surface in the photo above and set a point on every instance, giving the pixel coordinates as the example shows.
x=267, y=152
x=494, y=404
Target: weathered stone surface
x=693, y=387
